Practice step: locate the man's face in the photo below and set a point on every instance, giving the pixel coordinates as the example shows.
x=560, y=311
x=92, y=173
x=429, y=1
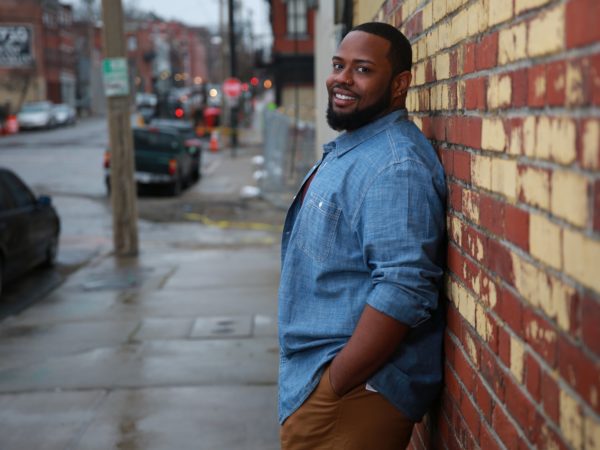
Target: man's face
x=359, y=86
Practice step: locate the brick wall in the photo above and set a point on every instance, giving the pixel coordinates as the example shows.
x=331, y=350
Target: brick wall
x=509, y=93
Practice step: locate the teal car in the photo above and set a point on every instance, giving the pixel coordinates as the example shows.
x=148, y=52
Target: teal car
x=162, y=157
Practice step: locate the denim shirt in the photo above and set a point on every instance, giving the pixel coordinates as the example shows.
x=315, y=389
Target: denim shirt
x=370, y=230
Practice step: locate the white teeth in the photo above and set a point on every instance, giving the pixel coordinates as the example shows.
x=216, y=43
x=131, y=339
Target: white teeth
x=343, y=97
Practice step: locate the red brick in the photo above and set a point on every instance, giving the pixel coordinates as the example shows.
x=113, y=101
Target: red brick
x=462, y=165
x=533, y=99
x=581, y=22
x=504, y=346
x=427, y=127
x=472, y=132
x=504, y=428
x=547, y=438
x=452, y=96
x=455, y=260
x=596, y=212
x=492, y=373
x=556, y=82
x=514, y=126
x=550, y=395
x=414, y=25
x=510, y=310
x=486, y=53
x=452, y=388
x=498, y=259
x=519, y=88
x=429, y=76
x=491, y=214
x=470, y=274
x=456, y=197
x=520, y=408
x=579, y=371
x=470, y=415
x=487, y=440
x=483, y=399
x=516, y=226
x=439, y=128
x=469, y=58
x=595, y=78
x=464, y=371
x=590, y=320
x=471, y=239
x=544, y=342
x=454, y=63
x=533, y=377
x=475, y=93
x=398, y=18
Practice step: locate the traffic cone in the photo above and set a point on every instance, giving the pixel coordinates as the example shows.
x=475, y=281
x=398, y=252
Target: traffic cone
x=214, y=141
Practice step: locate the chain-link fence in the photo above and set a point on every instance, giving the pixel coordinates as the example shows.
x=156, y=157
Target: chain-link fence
x=289, y=152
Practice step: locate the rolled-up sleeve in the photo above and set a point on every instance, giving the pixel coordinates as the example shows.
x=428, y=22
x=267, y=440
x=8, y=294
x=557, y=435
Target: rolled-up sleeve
x=401, y=224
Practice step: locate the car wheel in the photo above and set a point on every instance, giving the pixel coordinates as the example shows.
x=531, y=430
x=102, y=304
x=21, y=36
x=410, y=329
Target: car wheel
x=175, y=188
x=51, y=252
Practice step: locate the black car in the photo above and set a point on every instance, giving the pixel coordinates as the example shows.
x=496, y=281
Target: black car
x=193, y=144
x=29, y=228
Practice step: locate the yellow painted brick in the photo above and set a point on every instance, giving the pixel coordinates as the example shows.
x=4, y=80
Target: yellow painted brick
x=545, y=240
x=442, y=66
x=460, y=94
x=470, y=205
x=517, y=355
x=481, y=171
x=444, y=35
x=504, y=177
x=523, y=5
x=427, y=15
x=445, y=97
x=555, y=138
x=422, y=48
x=456, y=230
x=419, y=74
x=415, y=52
x=499, y=92
x=529, y=135
x=477, y=18
x=574, y=87
x=472, y=349
x=528, y=281
x=439, y=9
x=581, y=256
x=591, y=144
x=547, y=32
x=534, y=186
x=561, y=303
x=591, y=433
x=571, y=419
x=493, y=135
x=512, y=44
x=459, y=27
x=570, y=197
x=453, y=5
x=465, y=303
x=482, y=323
x=516, y=140
x=418, y=122
x=499, y=11
x=432, y=42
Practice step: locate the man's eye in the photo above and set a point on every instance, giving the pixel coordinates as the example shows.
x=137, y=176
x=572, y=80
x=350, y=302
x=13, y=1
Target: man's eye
x=337, y=66
x=362, y=69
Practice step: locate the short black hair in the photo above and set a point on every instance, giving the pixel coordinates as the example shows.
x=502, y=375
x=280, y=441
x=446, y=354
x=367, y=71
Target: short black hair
x=400, y=54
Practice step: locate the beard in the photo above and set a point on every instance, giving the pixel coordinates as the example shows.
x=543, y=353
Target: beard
x=356, y=119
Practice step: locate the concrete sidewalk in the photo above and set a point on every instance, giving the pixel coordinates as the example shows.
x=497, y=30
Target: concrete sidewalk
x=175, y=349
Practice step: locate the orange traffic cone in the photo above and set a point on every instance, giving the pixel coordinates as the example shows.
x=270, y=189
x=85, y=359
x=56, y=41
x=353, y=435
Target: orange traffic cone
x=214, y=141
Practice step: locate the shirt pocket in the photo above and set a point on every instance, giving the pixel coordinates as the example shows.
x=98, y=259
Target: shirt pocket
x=317, y=228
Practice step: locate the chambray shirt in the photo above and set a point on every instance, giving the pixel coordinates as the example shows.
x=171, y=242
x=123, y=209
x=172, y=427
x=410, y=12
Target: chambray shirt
x=370, y=230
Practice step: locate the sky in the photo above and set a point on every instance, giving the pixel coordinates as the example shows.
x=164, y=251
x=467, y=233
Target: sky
x=201, y=12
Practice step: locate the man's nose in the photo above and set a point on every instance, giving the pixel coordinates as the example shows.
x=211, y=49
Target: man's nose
x=344, y=77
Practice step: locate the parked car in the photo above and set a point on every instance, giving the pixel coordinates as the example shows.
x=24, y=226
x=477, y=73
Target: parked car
x=161, y=158
x=29, y=228
x=64, y=114
x=193, y=144
x=36, y=115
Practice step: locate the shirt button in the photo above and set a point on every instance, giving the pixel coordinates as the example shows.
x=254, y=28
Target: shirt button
x=320, y=205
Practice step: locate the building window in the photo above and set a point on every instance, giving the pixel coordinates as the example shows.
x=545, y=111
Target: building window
x=296, y=17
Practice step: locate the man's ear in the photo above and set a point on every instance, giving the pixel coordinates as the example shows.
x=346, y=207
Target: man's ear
x=401, y=83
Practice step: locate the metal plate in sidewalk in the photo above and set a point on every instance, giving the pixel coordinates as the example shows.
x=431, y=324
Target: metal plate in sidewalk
x=222, y=327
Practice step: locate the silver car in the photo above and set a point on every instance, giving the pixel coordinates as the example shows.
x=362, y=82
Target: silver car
x=64, y=114
x=36, y=115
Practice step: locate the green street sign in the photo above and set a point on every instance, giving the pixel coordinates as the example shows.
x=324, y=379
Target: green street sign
x=116, y=77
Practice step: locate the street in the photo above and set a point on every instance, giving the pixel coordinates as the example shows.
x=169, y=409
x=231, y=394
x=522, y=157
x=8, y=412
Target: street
x=174, y=349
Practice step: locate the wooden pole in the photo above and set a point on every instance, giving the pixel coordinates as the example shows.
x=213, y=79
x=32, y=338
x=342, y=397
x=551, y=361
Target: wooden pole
x=123, y=189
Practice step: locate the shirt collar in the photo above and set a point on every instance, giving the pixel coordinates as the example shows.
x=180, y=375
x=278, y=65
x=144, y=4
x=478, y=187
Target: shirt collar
x=350, y=139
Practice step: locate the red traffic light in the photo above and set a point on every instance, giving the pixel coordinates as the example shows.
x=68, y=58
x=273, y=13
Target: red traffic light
x=254, y=81
x=179, y=113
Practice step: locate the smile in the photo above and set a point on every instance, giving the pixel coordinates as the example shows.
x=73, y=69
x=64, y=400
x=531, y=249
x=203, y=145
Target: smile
x=344, y=97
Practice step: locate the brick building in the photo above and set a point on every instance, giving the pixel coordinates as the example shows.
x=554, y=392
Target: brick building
x=37, y=52
x=509, y=93
x=293, y=56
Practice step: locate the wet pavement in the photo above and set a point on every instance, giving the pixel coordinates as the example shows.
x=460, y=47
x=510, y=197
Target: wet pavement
x=175, y=349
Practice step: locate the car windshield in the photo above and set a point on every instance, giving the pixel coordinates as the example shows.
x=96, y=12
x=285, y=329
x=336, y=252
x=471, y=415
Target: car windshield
x=35, y=107
x=155, y=141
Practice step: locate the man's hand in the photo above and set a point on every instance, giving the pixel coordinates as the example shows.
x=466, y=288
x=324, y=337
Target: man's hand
x=373, y=342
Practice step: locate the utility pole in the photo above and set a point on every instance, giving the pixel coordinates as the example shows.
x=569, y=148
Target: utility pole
x=116, y=85
x=233, y=74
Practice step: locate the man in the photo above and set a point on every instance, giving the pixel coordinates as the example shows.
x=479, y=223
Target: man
x=360, y=321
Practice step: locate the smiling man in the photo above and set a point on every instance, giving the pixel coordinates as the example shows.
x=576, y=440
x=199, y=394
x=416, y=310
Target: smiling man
x=360, y=319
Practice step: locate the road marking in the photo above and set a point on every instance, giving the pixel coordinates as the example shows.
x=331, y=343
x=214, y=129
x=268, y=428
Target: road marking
x=224, y=224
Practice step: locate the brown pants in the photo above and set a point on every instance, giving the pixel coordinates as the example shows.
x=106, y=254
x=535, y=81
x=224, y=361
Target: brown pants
x=360, y=420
